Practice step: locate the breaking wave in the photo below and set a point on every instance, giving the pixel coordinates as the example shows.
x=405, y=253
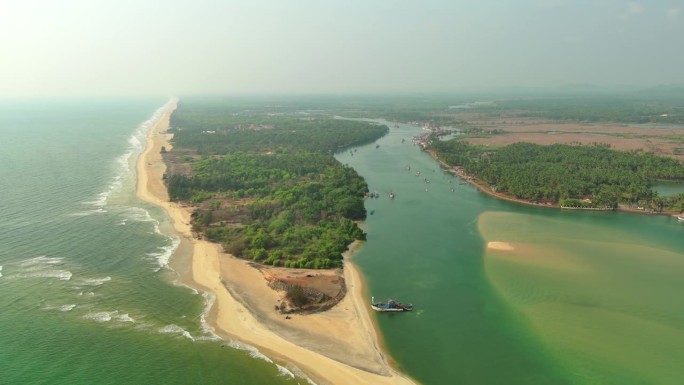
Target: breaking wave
x=103, y=316
x=94, y=281
x=282, y=371
x=107, y=316
x=209, y=299
x=164, y=254
x=89, y=212
x=123, y=162
x=41, y=260
x=62, y=275
x=42, y=267
x=138, y=214
x=175, y=329
x=63, y=308
x=253, y=352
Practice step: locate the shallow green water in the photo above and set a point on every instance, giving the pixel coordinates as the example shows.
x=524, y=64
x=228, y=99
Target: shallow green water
x=85, y=292
x=480, y=319
x=605, y=301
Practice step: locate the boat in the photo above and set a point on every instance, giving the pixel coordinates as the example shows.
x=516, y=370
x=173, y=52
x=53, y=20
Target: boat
x=680, y=218
x=390, y=306
x=391, y=195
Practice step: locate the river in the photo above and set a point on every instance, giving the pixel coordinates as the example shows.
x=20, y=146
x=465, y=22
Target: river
x=584, y=297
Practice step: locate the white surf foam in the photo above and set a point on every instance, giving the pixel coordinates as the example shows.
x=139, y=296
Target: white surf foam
x=102, y=316
x=88, y=213
x=165, y=252
x=63, y=308
x=125, y=318
x=175, y=329
x=284, y=372
x=102, y=198
x=123, y=162
x=62, y=275
x=138, y=214
x=107, y=316
x=135, y=142
x=95, y=281
x=298, y=372
x=253, y=352
x=123, y=159
x=209, y=299
x=41, y=260
x=42, y=267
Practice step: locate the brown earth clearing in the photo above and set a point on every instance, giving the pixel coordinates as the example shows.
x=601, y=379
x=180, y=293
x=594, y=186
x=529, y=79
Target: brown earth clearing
x=661, y=140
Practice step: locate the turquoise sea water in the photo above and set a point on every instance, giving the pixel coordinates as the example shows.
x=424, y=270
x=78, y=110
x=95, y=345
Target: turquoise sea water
x=85, y=290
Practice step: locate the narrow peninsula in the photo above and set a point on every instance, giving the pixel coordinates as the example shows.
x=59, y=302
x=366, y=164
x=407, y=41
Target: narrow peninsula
x=225, y=178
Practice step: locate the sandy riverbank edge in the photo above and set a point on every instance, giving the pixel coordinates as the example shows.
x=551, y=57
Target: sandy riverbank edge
x=501, y=246
x=232, y=319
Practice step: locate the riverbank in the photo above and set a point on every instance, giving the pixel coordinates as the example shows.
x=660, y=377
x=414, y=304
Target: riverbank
x=485, y=189
x=339, y=346
x=482, y=187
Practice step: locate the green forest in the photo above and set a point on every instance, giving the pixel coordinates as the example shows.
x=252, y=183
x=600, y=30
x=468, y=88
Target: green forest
x=588, y=176
x=267, y=186
x=631, y=109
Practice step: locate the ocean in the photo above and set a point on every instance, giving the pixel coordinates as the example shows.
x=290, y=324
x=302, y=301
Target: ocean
x=86, y=290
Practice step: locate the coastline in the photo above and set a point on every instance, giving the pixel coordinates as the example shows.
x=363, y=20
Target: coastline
x=338, y=346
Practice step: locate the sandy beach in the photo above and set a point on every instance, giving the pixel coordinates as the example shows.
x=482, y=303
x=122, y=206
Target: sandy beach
x=338, y=346
x=501, y=246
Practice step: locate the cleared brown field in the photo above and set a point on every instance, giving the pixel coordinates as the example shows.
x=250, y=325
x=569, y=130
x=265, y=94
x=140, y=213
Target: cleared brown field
x=666, y=141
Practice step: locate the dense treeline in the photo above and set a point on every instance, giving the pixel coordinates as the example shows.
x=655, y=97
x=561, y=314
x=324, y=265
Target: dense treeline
x=594, y=175
x=268, y=187
x=591, y=109
x=294, y=210
x=219, y=132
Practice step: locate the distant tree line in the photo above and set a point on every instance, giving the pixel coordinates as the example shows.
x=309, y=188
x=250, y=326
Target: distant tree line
x=590, y=109
x=212, y=132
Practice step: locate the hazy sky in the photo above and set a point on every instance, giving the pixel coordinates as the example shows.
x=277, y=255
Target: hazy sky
x=93, y=47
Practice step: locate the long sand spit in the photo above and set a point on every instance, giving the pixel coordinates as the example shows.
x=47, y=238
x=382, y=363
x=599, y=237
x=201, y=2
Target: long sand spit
x=339, y=346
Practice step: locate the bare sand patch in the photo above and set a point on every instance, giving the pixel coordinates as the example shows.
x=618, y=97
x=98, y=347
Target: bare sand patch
x=502, y=246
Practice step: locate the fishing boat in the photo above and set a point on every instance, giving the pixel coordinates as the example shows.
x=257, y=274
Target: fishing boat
x=390, y=306
x=391, y=195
